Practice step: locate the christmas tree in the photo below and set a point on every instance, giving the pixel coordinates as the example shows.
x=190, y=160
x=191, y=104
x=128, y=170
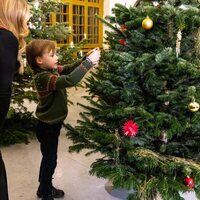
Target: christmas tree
x=143, y=112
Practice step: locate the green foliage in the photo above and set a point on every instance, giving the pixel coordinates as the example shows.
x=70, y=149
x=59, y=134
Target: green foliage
x=19, y=127
x=69, y=55
x=38, y=26
x=149, y=81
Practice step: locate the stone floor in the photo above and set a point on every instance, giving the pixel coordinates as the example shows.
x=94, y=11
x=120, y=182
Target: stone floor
x=72, y=173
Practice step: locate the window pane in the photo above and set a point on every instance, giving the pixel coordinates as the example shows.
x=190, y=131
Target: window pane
x=48, y=19
x=58, y=18
x=93, y=1
x=64, y=9
x=93, y=25
x=78, y=23
x=62, y=16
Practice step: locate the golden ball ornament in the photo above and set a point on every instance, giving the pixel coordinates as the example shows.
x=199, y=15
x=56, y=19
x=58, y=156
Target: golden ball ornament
x=193, y=106
x=147, y=23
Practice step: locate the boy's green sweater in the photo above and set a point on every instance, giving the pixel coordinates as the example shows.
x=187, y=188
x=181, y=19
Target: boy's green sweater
x=51, y=88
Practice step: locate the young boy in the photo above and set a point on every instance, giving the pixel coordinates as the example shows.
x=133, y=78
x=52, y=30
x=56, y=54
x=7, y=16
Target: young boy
x=51, y=81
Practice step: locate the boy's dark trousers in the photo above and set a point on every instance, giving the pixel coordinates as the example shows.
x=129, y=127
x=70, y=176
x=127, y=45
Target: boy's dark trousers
x=3, y=181
x=47, y=135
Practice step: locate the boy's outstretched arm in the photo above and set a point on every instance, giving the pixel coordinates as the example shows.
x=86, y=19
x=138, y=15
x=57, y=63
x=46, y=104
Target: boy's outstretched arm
x=49, y=82
x=92, y=57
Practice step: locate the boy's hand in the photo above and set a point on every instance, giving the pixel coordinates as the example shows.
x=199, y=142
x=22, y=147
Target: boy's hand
x=94, y=55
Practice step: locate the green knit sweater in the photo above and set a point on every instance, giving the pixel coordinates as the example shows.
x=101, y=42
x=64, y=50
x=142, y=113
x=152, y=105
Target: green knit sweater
x=51, y=88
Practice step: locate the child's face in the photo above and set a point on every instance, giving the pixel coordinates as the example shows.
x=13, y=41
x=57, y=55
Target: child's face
x=48, y=60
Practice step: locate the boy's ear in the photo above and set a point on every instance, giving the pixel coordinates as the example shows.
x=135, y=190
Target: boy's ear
x=39, y=60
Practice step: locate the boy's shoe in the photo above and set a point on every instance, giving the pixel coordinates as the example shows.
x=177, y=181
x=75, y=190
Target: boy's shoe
x=56, y=193
x=48, y=198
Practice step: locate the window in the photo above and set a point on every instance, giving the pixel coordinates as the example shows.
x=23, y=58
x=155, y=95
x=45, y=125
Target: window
x=78, y=23
x=80, y=16
x=62, y=16
x=93, y=25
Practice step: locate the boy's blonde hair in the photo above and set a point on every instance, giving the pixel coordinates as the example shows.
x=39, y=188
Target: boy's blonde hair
x=36, y=48
x=14, y=15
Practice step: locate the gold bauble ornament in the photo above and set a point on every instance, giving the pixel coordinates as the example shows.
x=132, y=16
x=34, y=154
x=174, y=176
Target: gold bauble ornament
x=147, y=23
x=193, y=106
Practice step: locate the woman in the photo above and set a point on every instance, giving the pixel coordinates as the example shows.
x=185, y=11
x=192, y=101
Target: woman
x=14, y=15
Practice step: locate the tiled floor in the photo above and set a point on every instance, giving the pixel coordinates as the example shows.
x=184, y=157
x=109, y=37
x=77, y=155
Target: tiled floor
x=72, y=172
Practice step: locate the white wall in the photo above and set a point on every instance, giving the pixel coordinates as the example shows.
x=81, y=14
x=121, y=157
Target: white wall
x=109, y=4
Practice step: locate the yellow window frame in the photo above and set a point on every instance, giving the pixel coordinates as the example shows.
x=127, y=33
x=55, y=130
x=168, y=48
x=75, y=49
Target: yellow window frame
x=87, y=26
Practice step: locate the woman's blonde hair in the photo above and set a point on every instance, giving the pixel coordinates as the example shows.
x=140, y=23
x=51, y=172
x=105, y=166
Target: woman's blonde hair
x=14, y=15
